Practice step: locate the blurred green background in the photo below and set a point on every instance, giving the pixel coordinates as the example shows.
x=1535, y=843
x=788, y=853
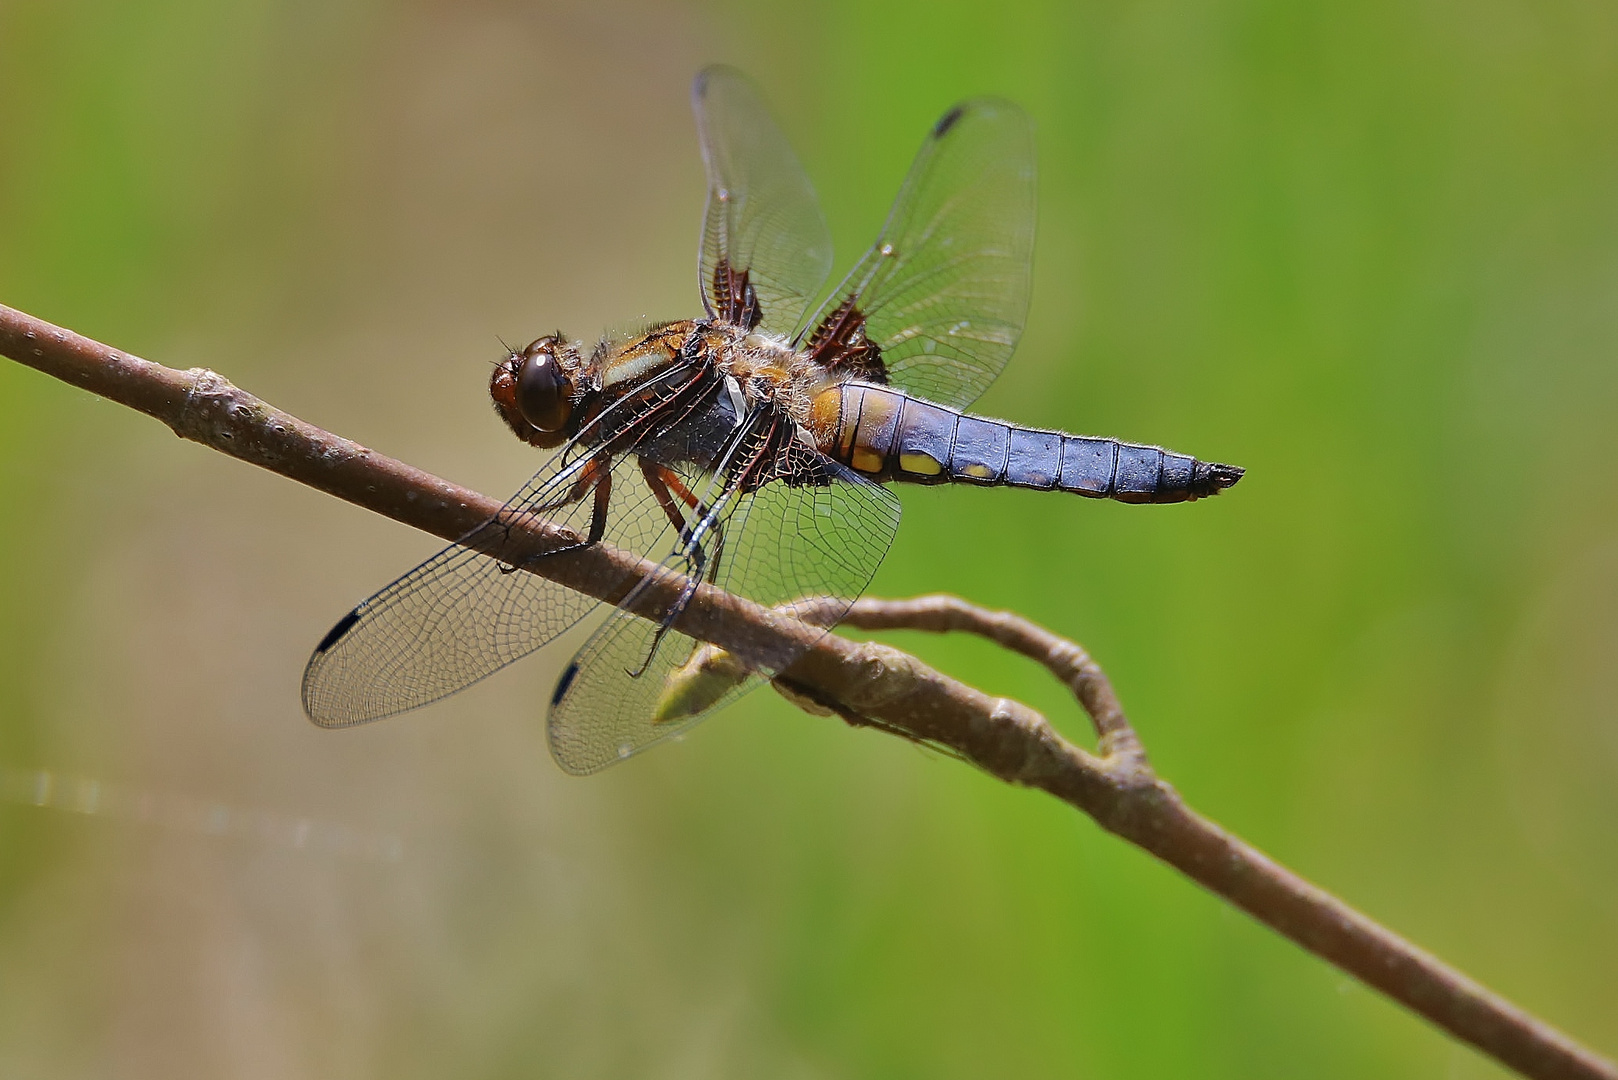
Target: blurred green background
x=1368, y=251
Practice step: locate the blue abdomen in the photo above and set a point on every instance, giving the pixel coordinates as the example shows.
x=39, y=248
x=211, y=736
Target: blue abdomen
x=890, y=435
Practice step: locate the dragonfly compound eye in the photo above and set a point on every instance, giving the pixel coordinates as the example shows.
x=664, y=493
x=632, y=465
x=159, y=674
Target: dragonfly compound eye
x=543, y=393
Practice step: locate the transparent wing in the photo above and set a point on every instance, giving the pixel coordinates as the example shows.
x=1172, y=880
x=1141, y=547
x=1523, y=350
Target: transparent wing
x=816, y=535
x=766, y=250
x=463, y=615
x=943, y=293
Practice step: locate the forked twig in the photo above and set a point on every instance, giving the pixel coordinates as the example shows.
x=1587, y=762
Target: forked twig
x=1064, y=659
x=865, y=682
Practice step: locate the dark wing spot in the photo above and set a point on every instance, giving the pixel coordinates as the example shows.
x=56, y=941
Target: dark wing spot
x=948, y=121
x=734, y=296
x=564, y=682
x=839, y=344
x=344, y=625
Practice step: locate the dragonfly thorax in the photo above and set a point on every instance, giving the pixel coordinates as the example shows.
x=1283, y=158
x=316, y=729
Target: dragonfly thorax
x=766, y=368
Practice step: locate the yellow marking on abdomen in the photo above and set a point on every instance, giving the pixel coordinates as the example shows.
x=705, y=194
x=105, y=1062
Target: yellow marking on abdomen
x=866, y=460
x=919, y=463
x=978, y=472
x=873, y=430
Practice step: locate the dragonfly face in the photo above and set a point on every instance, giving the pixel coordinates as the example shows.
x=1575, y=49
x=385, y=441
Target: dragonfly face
x=533, y=390
x=747, y=448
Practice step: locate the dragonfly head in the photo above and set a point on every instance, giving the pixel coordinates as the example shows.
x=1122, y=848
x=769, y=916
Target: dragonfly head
x=533, y=390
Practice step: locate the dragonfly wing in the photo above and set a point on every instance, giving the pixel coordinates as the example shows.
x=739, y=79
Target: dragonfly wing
x=765, y=249
x=815, y=537
x=943, y=293
x=463, y=614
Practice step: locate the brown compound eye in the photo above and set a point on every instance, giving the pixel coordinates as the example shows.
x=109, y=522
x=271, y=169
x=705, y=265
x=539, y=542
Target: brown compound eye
x=544, y=393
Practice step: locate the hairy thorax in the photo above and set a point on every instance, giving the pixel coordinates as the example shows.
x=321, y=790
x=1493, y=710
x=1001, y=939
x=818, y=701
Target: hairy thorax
x=766, y=368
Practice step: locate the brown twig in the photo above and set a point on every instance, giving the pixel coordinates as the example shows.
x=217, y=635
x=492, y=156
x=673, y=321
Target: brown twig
x=867, y=682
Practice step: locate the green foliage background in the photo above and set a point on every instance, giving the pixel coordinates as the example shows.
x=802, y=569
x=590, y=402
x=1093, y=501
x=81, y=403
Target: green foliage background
x=1368, y=251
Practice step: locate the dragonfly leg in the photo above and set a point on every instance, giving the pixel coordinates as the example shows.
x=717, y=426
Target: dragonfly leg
x=699, y=566
x=666, y=485
x=596, y=475
x=664, y=482
x=696, y=565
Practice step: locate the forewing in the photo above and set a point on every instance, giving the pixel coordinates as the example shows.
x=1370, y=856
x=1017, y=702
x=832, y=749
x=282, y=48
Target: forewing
x=943, y=293
x=790, y=546
x=462, y=615
x=766, y=250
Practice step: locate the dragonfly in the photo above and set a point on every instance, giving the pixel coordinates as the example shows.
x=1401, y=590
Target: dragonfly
x=748, y=449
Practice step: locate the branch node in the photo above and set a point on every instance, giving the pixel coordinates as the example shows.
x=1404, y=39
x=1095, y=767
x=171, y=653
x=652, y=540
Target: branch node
x=207, y=395
x=884, y=674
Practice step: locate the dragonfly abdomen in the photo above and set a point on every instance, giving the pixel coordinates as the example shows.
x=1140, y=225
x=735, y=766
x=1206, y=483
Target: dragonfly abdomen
x=889, y=435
